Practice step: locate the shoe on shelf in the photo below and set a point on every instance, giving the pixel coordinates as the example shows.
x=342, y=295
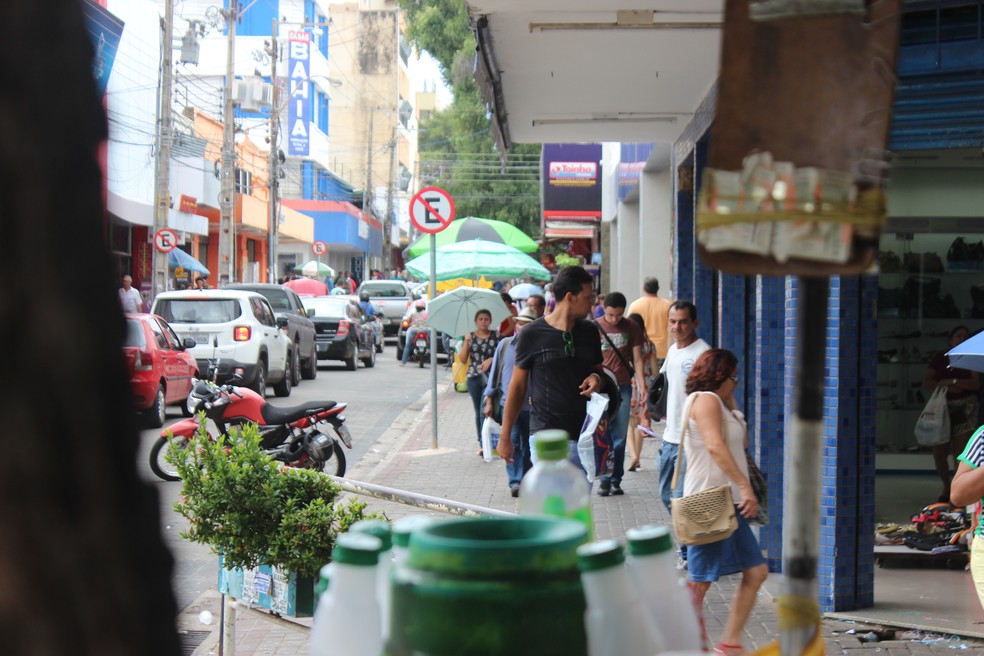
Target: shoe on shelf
x=605, y=489
x=617, y=490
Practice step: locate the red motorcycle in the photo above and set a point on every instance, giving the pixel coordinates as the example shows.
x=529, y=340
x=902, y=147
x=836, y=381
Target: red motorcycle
x=290, y=435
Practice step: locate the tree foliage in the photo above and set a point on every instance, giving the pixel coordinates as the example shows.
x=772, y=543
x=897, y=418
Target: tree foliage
x=456, y=148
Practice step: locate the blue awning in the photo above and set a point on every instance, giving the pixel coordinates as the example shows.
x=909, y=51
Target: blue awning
x=178, y=258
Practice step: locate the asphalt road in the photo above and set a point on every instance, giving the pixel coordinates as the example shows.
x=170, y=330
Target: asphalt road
x=375, y=396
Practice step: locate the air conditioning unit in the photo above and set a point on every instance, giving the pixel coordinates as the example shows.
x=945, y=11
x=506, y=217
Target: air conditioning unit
x=266, y=95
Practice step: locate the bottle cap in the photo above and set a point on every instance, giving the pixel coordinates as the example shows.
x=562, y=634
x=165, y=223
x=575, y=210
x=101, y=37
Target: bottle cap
x=649, y=539
x=403, y=527
x=376, y=527
x=551, y=444
x=357, y=549
x=324, y=578
x=603, y=554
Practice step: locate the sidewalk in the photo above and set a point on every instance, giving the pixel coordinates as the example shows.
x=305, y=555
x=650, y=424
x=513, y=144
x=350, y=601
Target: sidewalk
x=403, y=459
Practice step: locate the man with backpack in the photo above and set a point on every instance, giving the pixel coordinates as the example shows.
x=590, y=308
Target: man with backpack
x=621, y=350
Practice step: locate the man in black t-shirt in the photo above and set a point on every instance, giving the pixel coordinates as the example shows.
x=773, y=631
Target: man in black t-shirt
x=558, y=364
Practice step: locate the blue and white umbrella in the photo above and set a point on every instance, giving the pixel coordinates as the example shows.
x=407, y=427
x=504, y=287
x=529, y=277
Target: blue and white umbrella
x=524, y=290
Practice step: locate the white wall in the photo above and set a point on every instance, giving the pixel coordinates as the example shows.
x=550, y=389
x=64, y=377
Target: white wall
x=655, y=230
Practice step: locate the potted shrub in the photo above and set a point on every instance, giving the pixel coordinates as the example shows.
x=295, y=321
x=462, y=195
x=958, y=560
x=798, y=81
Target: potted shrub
x=272, y=526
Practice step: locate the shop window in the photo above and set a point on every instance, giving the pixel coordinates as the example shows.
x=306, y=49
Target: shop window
x=244, y=182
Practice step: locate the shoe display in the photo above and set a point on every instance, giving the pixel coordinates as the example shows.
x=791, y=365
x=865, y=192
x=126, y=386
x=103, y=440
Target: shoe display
x=617, y=490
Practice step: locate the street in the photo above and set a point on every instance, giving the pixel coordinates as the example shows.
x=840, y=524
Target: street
x=375, y=396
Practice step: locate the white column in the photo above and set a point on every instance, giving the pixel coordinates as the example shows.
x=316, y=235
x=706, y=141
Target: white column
x=625, y=270
x=656, y=229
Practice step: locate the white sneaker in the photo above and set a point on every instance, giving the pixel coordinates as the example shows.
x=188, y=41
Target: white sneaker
x=681, y=563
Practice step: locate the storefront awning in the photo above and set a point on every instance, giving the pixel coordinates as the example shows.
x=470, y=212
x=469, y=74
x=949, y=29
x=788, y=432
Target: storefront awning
x=561, y=231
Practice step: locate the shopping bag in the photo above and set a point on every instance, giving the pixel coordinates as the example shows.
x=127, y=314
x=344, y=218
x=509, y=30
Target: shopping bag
x=459, y=376
x=594, y=444
x=490, y=438
x=933, y=426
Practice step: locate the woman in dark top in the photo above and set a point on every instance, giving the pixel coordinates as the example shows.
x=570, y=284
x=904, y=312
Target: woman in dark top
x=477, y=351
x=962, y=387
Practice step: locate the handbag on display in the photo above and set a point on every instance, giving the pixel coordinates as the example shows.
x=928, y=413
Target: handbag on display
x=706, y=516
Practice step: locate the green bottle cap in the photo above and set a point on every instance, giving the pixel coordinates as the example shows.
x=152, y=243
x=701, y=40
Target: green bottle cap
x=603, y=554
x=649, y=539
x=551, y=444
x=324, y=578
x=403, y=527
x=376, y=527
x=359, y=549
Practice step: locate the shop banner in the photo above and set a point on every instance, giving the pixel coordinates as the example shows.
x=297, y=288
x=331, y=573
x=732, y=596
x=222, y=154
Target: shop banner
x=105, y=30
x=299, y=102
x=572, y=178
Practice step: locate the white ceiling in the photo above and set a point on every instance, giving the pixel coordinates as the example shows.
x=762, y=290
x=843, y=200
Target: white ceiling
x=589, y=84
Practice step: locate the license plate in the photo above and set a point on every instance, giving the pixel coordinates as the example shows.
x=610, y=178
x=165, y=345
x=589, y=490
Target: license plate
x=421, y=343
x=199, y=338
x=343, y=432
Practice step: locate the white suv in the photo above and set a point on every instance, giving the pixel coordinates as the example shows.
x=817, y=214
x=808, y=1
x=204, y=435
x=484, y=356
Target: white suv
x=238, y=328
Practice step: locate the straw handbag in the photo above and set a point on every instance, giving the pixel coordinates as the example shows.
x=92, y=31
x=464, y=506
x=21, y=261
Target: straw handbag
x=706, y=516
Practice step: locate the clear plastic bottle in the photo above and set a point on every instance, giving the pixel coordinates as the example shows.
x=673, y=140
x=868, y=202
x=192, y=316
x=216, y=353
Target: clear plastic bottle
x=615, y=620
x=652, y=568
x=347, y=621
x=555, y=486
x=381, y=529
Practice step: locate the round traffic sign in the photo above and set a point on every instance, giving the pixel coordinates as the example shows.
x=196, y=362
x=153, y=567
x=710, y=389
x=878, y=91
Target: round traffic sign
x=165, y=240
x=431, y=210
x=319, y=247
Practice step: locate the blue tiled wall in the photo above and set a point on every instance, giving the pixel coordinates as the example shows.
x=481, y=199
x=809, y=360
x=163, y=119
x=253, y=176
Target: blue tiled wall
x=683, y=258
x=731, y=324
x=703, y=295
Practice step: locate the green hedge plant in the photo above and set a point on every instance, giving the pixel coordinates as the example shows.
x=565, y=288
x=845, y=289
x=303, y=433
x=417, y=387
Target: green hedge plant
x=251, y=510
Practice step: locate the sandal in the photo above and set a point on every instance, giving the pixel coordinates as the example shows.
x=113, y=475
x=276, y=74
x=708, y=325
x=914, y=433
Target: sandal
x=725, y=649
x=480, y=453
x=634, y=465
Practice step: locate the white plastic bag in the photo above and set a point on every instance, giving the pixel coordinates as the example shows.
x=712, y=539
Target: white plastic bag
x=933, y=426
x=490, y=438
x=597, y=405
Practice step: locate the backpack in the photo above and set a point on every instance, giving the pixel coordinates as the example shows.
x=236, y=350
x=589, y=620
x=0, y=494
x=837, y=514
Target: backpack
x=656, y=397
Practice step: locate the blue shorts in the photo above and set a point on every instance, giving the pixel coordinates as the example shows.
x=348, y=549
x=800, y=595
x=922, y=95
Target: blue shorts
x=707, y=563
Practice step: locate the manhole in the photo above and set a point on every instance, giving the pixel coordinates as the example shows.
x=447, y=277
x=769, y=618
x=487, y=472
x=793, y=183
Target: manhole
x=190, y=640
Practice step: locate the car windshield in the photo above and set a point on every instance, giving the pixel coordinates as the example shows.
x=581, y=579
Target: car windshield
x=198, y=310
x=385, y=290
x=134, y=334
x=329, y=308
x=277, y=297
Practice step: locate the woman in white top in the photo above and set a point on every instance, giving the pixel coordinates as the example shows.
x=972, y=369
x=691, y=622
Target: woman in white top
x=716, y=439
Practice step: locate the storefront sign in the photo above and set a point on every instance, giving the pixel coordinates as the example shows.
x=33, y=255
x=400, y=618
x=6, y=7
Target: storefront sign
x=299, y=102
x=572, y=182
x=105, y=31
x=188, y=204
x=575, y=174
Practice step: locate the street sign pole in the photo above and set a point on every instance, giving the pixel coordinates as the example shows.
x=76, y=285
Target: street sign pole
x=433, y=340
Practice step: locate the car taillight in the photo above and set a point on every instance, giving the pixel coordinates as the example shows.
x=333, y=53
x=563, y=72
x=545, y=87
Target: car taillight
x=343, y=328
x=241, y=333
x=143, y=361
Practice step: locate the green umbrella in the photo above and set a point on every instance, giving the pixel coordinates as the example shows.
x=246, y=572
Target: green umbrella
x=473, y=227
x=314, y=269
x=476, y=259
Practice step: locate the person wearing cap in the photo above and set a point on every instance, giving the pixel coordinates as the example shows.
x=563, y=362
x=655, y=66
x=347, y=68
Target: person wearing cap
x=499, y=377
x=418, y=319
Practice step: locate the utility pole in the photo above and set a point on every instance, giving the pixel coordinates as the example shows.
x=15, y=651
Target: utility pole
x=388, y=219
x=367, y=194
x=163, y=179
x=273, y=171
x=227, y=195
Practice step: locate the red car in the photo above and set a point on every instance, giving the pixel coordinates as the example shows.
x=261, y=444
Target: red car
x=160, y=367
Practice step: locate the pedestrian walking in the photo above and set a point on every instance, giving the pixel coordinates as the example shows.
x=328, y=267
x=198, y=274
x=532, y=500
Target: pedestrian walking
x=621, y=350
x=502, y=370
x=558, y=362
x=509, y=323
x=656, y=313
x=477, y=351
x=639, y=411
x=538, y=304
x=714, y=448
x=130, y=297
x=599, y=307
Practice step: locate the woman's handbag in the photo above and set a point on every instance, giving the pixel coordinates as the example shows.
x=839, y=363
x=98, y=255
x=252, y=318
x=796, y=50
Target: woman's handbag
x=706, y=516
x=761, y=488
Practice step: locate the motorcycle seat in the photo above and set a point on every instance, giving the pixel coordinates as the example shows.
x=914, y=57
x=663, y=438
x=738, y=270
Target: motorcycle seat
x=275, y=415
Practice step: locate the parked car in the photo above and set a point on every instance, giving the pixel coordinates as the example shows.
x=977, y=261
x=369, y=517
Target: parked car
x=238, y=328
x=390, y=298
x=300, y=329
x=160, y=366
x=376, y=322
x=443, y=343
x=343, y=331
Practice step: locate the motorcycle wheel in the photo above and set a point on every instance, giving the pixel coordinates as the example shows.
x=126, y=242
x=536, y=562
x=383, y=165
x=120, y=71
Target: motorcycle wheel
x=337, y=461
x=161, y=467
x=420, y=360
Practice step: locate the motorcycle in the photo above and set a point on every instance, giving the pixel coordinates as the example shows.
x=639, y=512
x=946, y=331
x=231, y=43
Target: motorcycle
x=289, y=435
x=421, y=347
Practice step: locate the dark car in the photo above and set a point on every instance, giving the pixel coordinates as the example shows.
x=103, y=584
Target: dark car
x=342, y=331
x=285, y=302
x=160, y=366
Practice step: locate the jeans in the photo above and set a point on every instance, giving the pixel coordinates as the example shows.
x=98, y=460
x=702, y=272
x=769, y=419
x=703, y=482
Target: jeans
x=667, y=463
x=408, y=344
x=520, y=436
x=619, y=426
x=476, y=389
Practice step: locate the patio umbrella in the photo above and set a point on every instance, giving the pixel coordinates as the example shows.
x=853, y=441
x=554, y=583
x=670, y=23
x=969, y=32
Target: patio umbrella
x=476, y=258
x=524, y=290
x=473, y=227
x=314, y=269
x=178, y=258
x=968, y=354
x=453, y=312
x=307, y=286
